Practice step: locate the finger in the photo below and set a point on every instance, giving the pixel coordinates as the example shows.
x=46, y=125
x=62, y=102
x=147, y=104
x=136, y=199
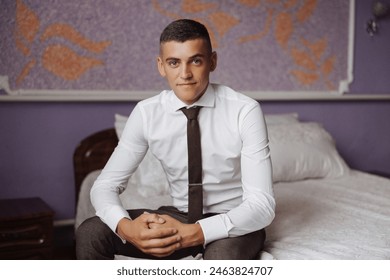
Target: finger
x=154, y=225
x=162, y=242
x=161, y=255
x=153, y=218
x=158, y=233
x=163, y=251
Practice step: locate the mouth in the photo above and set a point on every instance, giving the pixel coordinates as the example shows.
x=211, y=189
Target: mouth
x=187, y=84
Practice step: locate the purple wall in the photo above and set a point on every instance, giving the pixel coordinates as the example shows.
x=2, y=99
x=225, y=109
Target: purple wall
x=37, y=144
x=38, y=138
x=372, y=55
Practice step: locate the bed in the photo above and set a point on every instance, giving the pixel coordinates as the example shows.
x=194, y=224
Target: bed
x=325, y=210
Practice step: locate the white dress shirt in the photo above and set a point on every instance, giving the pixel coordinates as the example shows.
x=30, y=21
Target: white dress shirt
x=237, y=172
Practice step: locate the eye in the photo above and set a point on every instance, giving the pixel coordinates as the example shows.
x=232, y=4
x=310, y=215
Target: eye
x=197, y=61
x=173, y=63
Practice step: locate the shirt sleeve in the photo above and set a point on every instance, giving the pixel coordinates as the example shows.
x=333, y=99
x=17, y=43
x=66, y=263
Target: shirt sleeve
x=257, y=209
x=122, y=164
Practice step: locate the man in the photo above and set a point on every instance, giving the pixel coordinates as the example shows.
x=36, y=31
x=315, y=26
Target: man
x=236, y=174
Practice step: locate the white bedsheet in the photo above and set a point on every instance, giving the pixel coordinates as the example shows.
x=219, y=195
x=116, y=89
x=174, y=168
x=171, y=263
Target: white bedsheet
x=339, y=218
x=344, y=218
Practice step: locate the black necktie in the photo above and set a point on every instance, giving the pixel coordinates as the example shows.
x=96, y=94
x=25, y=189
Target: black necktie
x=195, y=192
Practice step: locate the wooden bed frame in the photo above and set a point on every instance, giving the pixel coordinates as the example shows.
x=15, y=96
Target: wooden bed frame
x=92, y=153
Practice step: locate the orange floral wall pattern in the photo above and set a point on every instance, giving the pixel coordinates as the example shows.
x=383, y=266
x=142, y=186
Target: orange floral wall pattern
x=266, y=45
x=60, y=60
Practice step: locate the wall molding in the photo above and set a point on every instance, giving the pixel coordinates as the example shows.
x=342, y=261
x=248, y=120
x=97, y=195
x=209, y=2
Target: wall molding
x=55, y=95
x=138, y=96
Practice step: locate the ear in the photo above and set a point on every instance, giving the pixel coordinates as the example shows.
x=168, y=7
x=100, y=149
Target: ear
x=214, y=59
x=160, y=67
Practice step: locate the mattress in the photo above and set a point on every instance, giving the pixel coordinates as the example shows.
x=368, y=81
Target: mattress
x=329, y=218
x=341, y=218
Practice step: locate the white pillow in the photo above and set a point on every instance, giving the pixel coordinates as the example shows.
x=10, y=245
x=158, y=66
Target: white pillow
x=119, y=124
x=149, y=179
x=281, y=118
x=303, y=150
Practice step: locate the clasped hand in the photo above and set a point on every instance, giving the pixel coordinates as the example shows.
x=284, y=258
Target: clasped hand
x=159, y=235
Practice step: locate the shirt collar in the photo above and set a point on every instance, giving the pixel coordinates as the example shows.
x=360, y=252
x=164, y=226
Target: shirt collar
x=207, y=100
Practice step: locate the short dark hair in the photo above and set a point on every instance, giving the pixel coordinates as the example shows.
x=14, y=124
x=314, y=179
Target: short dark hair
x=182, y=30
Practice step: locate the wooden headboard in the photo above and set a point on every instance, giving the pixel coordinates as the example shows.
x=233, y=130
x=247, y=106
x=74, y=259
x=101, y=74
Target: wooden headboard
x=92, y=154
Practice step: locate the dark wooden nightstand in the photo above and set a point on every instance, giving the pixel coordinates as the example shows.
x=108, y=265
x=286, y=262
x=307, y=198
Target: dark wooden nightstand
x=26, y=229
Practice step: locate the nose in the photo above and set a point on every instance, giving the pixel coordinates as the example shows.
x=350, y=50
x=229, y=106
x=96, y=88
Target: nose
x=186, y=73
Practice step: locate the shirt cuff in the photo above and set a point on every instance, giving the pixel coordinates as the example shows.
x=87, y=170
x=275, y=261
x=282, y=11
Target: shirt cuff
x=112, y=217
x=213, y=228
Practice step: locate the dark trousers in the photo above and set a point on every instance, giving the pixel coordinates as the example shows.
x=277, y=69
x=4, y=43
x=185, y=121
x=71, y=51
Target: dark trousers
x=95, y=240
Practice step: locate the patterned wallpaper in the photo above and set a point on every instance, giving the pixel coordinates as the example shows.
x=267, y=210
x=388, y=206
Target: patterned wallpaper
x=262, y=45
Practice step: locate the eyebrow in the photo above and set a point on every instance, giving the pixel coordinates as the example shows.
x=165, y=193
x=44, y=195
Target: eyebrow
x=191, y=57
